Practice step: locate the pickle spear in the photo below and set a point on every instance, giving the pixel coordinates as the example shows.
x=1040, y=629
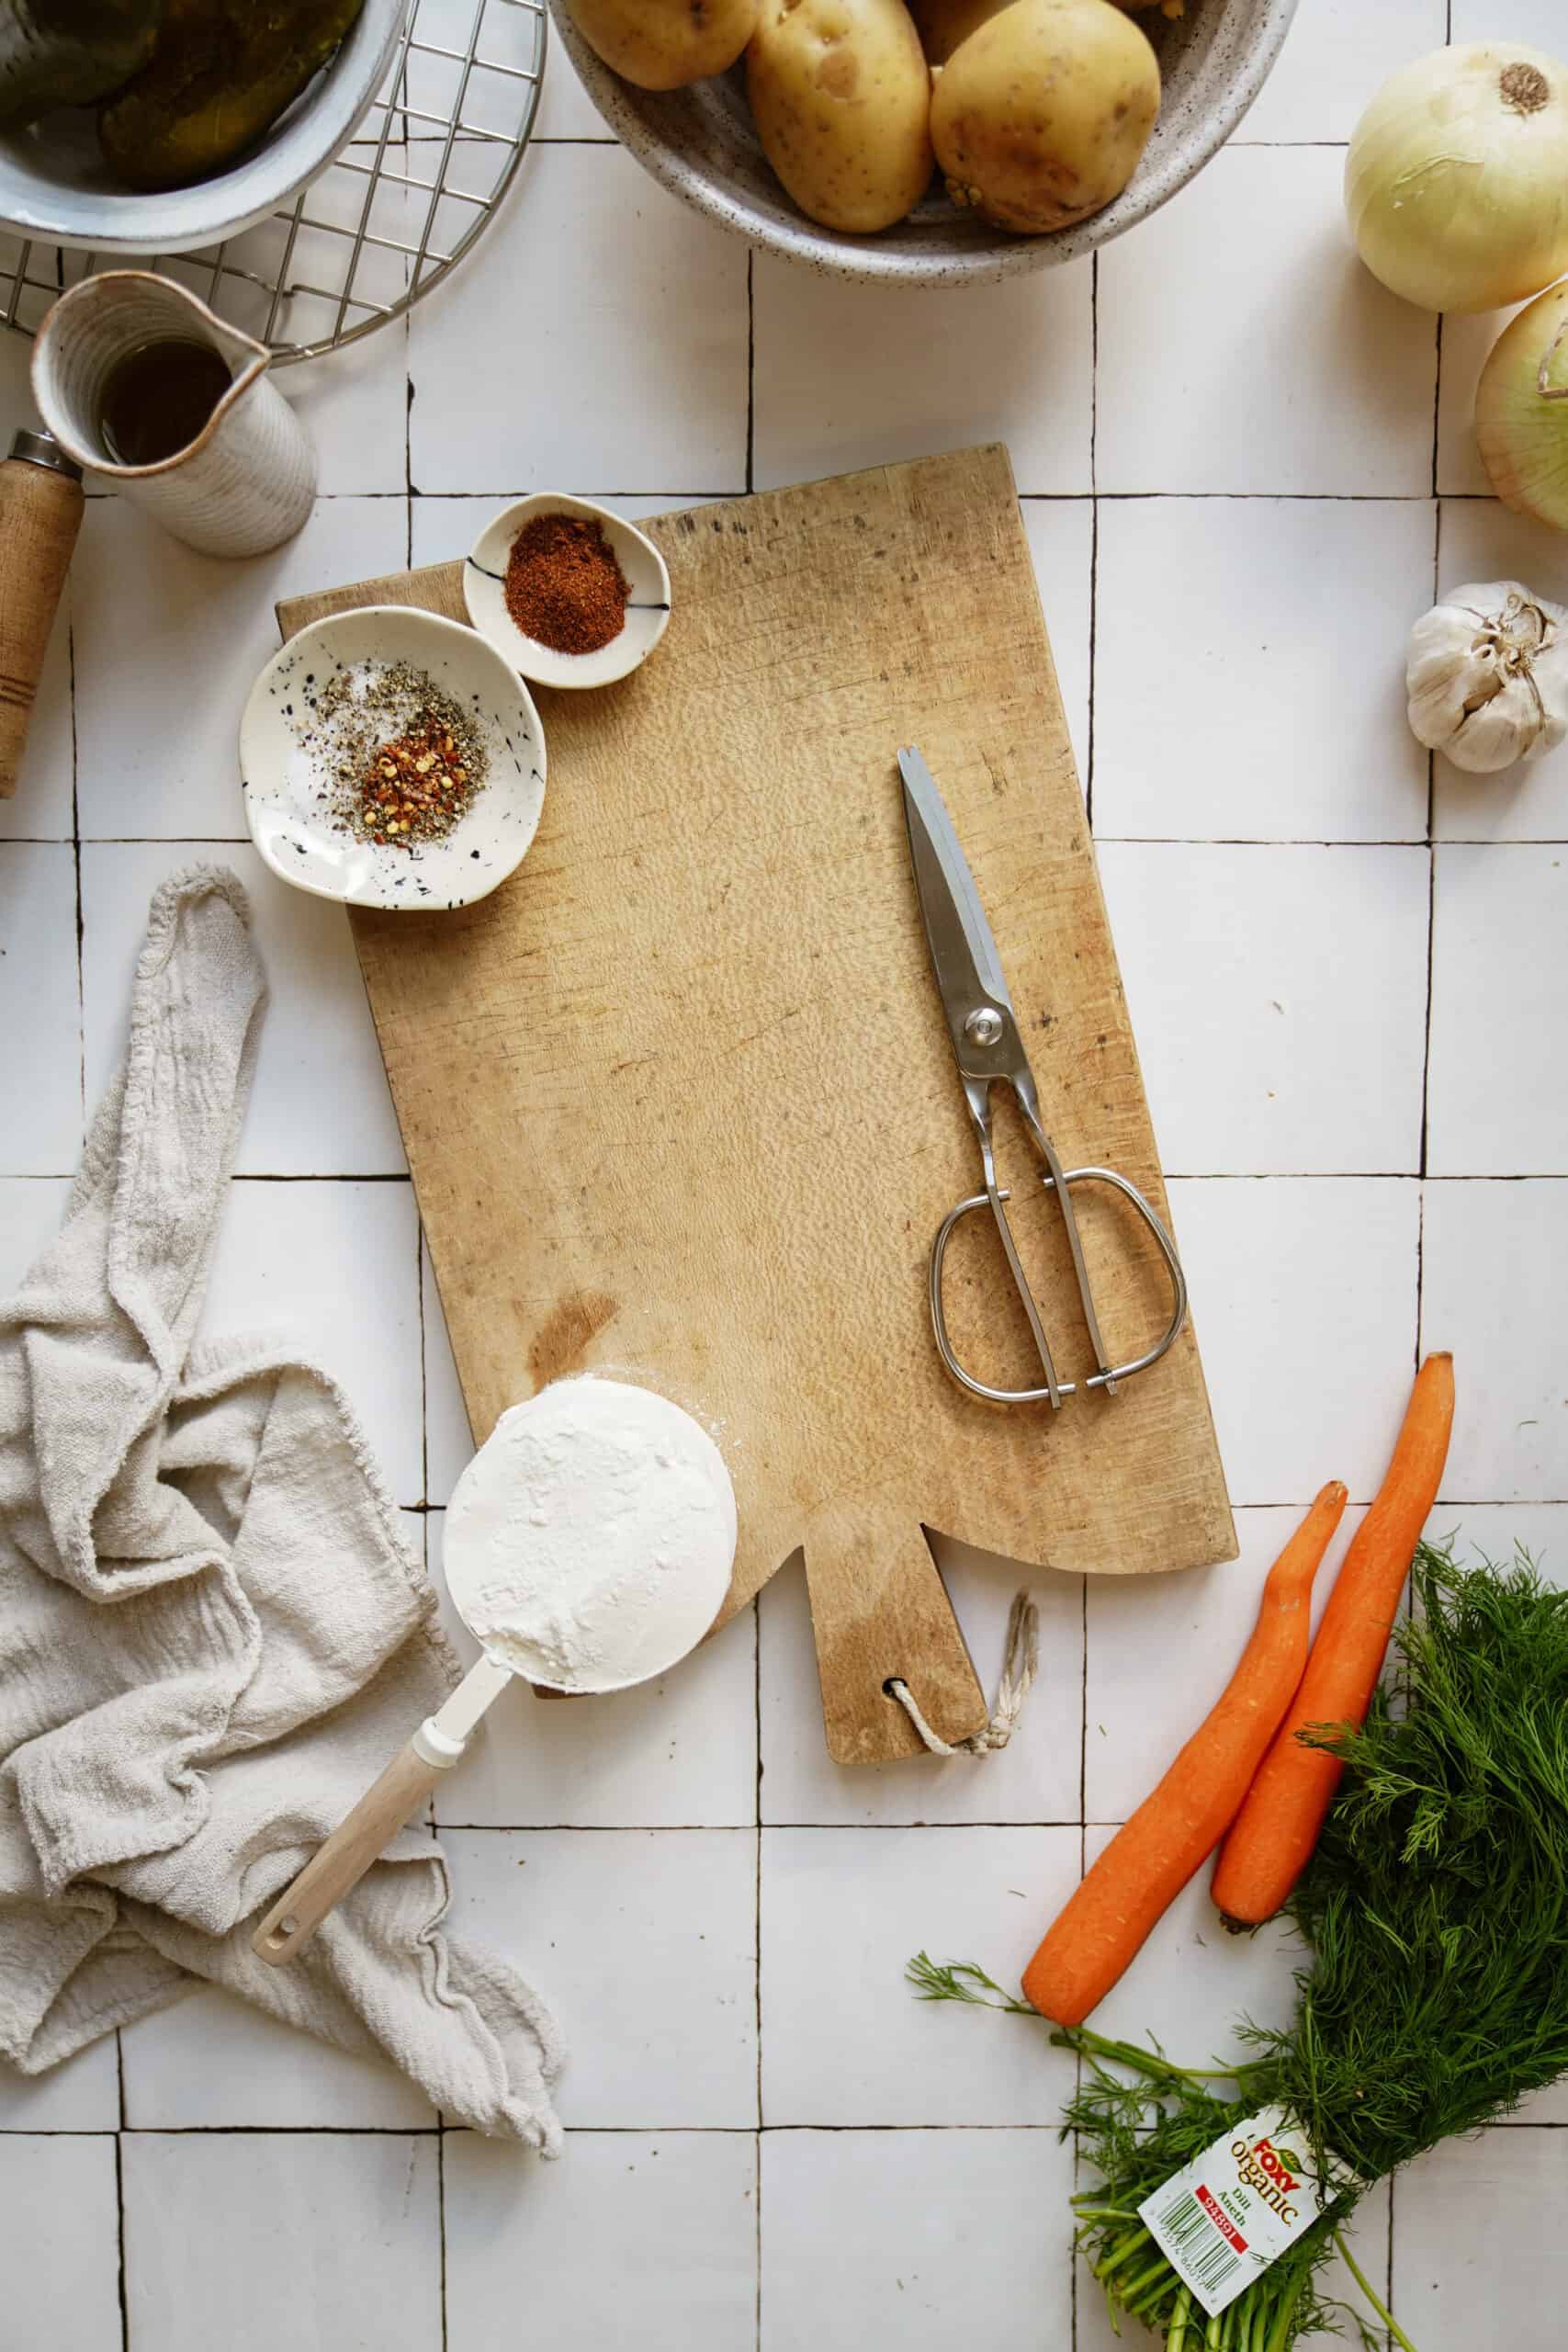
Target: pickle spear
x=222, y=74
x=69, y=52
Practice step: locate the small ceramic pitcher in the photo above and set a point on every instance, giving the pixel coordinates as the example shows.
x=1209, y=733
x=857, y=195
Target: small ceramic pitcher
x=249, y=477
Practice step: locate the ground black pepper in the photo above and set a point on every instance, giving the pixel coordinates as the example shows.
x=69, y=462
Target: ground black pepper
x=564, y=587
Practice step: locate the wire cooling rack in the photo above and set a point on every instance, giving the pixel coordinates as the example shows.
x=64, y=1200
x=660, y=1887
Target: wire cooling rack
x=382, y=224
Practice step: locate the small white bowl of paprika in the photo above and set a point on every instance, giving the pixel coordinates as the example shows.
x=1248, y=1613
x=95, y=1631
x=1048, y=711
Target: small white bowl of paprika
x=566, y=592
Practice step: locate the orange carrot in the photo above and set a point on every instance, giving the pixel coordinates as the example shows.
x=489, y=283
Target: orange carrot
x=1276, y=1829
x=1151, y=1858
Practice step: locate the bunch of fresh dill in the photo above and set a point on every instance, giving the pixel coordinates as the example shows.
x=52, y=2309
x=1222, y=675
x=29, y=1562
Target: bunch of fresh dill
x=1436, y=1994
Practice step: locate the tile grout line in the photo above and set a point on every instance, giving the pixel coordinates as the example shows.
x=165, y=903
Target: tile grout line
x=1093, y=528
x=1426, y=1032
x=751, y=371
x=435, y=1828
x=858, y=1828
x=849, y=1828
x=577, y=2131
x=441, y=2220
x=1425, y=1139
x=757, y=1960
x=588, y=489
x=407, y=430
x=1031, y=497
x=1083, y=1731
x=1301, y=841
x=1083, y=1865
x=76, y=869
x=119, y=2213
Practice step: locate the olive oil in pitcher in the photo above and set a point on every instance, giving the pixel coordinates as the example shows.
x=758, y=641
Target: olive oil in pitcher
x=138, y=379
x=157, y=399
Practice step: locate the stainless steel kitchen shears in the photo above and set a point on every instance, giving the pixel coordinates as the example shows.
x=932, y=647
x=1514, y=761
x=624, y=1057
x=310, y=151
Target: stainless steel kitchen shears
x=990, y=1052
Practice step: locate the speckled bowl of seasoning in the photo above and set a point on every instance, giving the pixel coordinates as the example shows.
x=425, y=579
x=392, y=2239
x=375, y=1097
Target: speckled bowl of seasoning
x=391, y=758
x=566, y=592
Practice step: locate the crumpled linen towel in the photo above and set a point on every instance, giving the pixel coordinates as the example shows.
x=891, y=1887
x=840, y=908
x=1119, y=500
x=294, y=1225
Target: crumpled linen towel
x=212, y=1636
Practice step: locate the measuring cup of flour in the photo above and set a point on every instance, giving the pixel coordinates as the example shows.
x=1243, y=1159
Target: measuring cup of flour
x=589, y=1544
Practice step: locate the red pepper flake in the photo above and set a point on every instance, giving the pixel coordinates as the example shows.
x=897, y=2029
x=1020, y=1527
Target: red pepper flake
x=416, y=786
x=564, y=587
x=401, y=759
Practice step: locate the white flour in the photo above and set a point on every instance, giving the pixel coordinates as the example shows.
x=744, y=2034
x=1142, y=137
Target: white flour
x=590, y=1540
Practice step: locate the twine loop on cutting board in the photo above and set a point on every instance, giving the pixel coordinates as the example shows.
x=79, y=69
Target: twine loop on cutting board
x=1021, y=1663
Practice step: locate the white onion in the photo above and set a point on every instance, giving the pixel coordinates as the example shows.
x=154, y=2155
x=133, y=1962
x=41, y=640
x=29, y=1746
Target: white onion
x=1521, y=410
x=1457, y=178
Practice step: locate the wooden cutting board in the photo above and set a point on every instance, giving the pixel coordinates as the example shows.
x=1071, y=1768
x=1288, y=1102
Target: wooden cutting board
x=679, y=1102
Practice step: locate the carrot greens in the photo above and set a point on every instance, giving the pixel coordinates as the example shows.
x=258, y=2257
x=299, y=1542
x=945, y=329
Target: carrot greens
x=1433, y=1994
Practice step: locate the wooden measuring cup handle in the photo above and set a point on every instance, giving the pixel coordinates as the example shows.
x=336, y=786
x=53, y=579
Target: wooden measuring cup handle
x=41, y=513
x=338, y=1865
x=879, y=1609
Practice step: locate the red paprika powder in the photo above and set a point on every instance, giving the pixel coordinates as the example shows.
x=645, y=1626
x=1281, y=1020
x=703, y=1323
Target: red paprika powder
x=563, y=586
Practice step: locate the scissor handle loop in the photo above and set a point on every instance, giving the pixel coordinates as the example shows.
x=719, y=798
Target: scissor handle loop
x=1105, y=1379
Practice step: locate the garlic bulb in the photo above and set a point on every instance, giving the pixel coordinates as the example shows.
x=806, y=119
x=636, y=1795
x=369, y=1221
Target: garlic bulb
x=1487, y=671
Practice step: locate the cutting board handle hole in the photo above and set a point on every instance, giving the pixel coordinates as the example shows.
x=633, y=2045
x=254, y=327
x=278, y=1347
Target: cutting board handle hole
x=897, y=1690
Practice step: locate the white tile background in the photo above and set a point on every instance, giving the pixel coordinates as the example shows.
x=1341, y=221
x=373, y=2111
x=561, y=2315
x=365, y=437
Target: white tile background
x=1244, y=470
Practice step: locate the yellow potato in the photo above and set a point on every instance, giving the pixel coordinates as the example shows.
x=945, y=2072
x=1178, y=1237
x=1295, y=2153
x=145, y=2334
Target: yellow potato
x=664, y=44
x=840, y=95
x=942, y=25
x=1039, y=117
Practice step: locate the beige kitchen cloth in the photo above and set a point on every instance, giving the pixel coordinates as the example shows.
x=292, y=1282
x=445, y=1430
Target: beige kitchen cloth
x=212, y=1635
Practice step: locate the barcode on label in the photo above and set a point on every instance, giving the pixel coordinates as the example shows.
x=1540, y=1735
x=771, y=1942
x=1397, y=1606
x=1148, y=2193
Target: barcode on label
x=1234, y=2207
x=1194, y=2245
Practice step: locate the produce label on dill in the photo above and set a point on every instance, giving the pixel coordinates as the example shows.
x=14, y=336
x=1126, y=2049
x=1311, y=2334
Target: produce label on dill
x=1234, y=2209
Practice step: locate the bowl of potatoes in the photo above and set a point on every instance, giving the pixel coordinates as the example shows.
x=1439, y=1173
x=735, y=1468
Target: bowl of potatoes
x=939, y=142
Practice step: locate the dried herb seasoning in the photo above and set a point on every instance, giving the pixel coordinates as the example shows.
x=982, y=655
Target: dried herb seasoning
x=404, y=762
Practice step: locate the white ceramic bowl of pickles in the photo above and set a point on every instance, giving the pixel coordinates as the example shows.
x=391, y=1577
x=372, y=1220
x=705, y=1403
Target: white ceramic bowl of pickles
x=700, y=142
x=57, y=186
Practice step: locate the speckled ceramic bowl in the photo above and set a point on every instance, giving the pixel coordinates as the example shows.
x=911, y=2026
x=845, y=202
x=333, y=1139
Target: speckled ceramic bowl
x=287, y=755
x=1213, y=60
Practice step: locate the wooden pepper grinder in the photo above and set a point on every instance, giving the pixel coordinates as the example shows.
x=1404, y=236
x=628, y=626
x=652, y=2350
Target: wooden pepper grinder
x=41, y=513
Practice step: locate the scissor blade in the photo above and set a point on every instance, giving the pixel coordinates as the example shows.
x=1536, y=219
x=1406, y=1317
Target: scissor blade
x=963, y=954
